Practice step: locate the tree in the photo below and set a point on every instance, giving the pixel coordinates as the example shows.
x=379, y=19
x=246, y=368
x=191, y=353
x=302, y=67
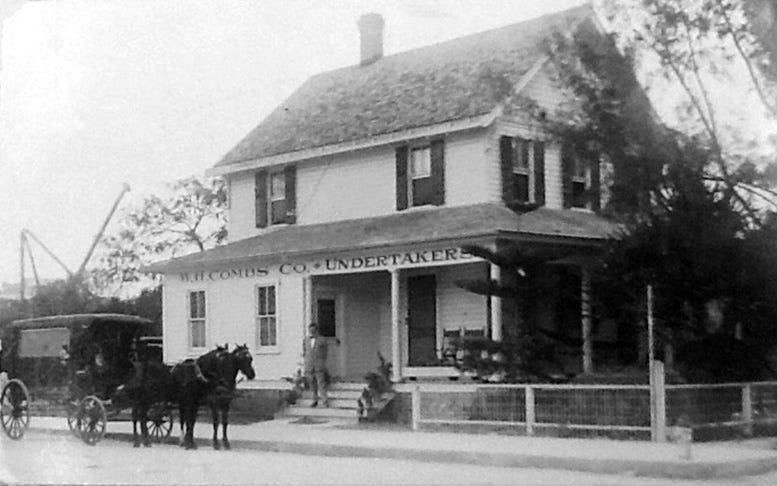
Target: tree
x=701, y=47
x=526, y=353
x=192, y=218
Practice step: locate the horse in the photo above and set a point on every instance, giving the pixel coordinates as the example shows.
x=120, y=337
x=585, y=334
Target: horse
x=150, y=382
x=210, y=379
x=221, y=367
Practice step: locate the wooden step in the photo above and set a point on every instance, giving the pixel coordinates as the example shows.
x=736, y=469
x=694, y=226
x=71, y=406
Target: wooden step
x=296, y=411
x=334, y=402
x=336, y=394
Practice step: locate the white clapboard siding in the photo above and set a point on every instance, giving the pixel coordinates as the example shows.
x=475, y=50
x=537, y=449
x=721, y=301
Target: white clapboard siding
x=468, y=176
x=230, y=318
x=458, y=308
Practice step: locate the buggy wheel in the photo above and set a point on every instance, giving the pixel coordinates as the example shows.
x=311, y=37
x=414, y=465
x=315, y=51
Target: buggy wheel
x=159, y=422
x=73, y=420
x=93, y=419
x=15, y=409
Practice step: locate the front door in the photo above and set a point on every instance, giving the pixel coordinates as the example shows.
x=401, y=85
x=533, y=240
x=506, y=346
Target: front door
x=328, y=317
x=422, y=320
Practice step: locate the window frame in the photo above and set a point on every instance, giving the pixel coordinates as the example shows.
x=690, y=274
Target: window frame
x=580, y=174
x=411, y=177
x=190, y=320
x=272, y=348
x=272, y=198
x=528, y=170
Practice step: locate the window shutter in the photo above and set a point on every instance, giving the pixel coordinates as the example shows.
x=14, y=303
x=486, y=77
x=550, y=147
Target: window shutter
x=438, y=172
x=290, y=176
x=401, y=158
x=567, y=166
x=506, y=164
x=539, y=173
x=595, y=189
x=260, y=194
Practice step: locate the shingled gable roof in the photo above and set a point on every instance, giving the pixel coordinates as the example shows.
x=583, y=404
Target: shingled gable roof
x=453, y=80
x=455, y=224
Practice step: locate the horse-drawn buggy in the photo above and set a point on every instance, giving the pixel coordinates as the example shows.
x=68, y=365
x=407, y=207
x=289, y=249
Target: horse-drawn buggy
x=109, y=363
x=89, y=357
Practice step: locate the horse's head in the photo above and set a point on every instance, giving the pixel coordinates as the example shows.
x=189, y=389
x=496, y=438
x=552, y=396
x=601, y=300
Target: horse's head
x=243, y=359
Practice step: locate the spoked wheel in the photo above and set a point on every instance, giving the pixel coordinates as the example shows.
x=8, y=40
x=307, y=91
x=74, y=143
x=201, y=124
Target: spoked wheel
x=159, y=422
x=92, y=418
x=73, y=420
x=15, y=409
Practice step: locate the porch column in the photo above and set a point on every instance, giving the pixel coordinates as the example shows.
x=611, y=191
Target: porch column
x=396, y=368
x=496, y=306
x=307, y=312
x=585, y=315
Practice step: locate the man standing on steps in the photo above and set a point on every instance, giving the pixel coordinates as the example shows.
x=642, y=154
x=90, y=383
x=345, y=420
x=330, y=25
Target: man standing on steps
x=315, y=364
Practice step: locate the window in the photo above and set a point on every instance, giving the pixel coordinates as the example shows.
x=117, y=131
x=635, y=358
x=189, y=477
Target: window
x=197, y=319
x=421, y=185
x=522, y=169
x=277, y=198
x=581, y=177
x=421, y=163
x=266, y=318
x=420, y=175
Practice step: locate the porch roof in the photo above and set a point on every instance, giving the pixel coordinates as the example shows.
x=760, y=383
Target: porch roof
x=421, y=225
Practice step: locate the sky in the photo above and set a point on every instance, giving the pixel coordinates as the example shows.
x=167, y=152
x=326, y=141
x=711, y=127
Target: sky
x=97, y=93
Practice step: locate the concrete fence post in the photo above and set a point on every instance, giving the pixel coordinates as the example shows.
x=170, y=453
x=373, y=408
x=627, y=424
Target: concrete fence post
x=747, y=409
x=530, y=411
x=415, y=407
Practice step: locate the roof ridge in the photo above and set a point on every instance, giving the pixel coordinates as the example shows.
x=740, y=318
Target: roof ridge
x=463, y=38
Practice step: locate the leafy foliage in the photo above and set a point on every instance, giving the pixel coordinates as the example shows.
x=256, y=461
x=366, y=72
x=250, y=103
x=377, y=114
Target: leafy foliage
x=191, y=218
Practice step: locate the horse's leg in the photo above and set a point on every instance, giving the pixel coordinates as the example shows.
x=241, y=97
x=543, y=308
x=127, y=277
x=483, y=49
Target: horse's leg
x=224, y=423
x=190, y=444
x=181, y=422
x=214, y=413
x=144, y=425
x=135, y=413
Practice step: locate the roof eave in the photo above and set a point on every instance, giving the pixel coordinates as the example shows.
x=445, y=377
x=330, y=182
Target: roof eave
x=479, y=121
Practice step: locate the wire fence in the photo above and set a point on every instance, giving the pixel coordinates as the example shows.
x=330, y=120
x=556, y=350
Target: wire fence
x=622, y=411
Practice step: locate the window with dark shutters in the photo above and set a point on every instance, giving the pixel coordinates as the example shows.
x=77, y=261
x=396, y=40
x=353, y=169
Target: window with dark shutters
x=581, y=180
x=275, y=194
x=401, y=180
x=290, y=177
x=438, y=172
x=522, y=165
x=420, y=173
x=539, y=173
x=260, y=198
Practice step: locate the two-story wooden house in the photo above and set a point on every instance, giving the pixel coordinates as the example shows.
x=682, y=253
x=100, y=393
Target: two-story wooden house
x=349, y=205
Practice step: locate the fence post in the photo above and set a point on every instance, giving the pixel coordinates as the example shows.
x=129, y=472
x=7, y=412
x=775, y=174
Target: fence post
x=657, y=403
x=530, y=417
x=747, y=409
x=415, y=406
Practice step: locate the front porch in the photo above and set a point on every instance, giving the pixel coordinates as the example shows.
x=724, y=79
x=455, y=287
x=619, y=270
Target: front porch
x=419, y=318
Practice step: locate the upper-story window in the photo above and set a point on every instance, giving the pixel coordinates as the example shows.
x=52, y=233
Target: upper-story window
x=581, y=181
x=523, y=170
x=275, y=193
x=277, y=198
x=420, y=172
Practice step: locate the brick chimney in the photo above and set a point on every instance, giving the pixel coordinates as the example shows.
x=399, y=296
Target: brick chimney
x=371, y=33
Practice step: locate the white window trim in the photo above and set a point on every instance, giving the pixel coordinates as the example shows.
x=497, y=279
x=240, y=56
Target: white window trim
x=411, y=177
x=267, y=349
x=196, y=349
x=271, y=199
x=586, y=180
x=529, y=171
